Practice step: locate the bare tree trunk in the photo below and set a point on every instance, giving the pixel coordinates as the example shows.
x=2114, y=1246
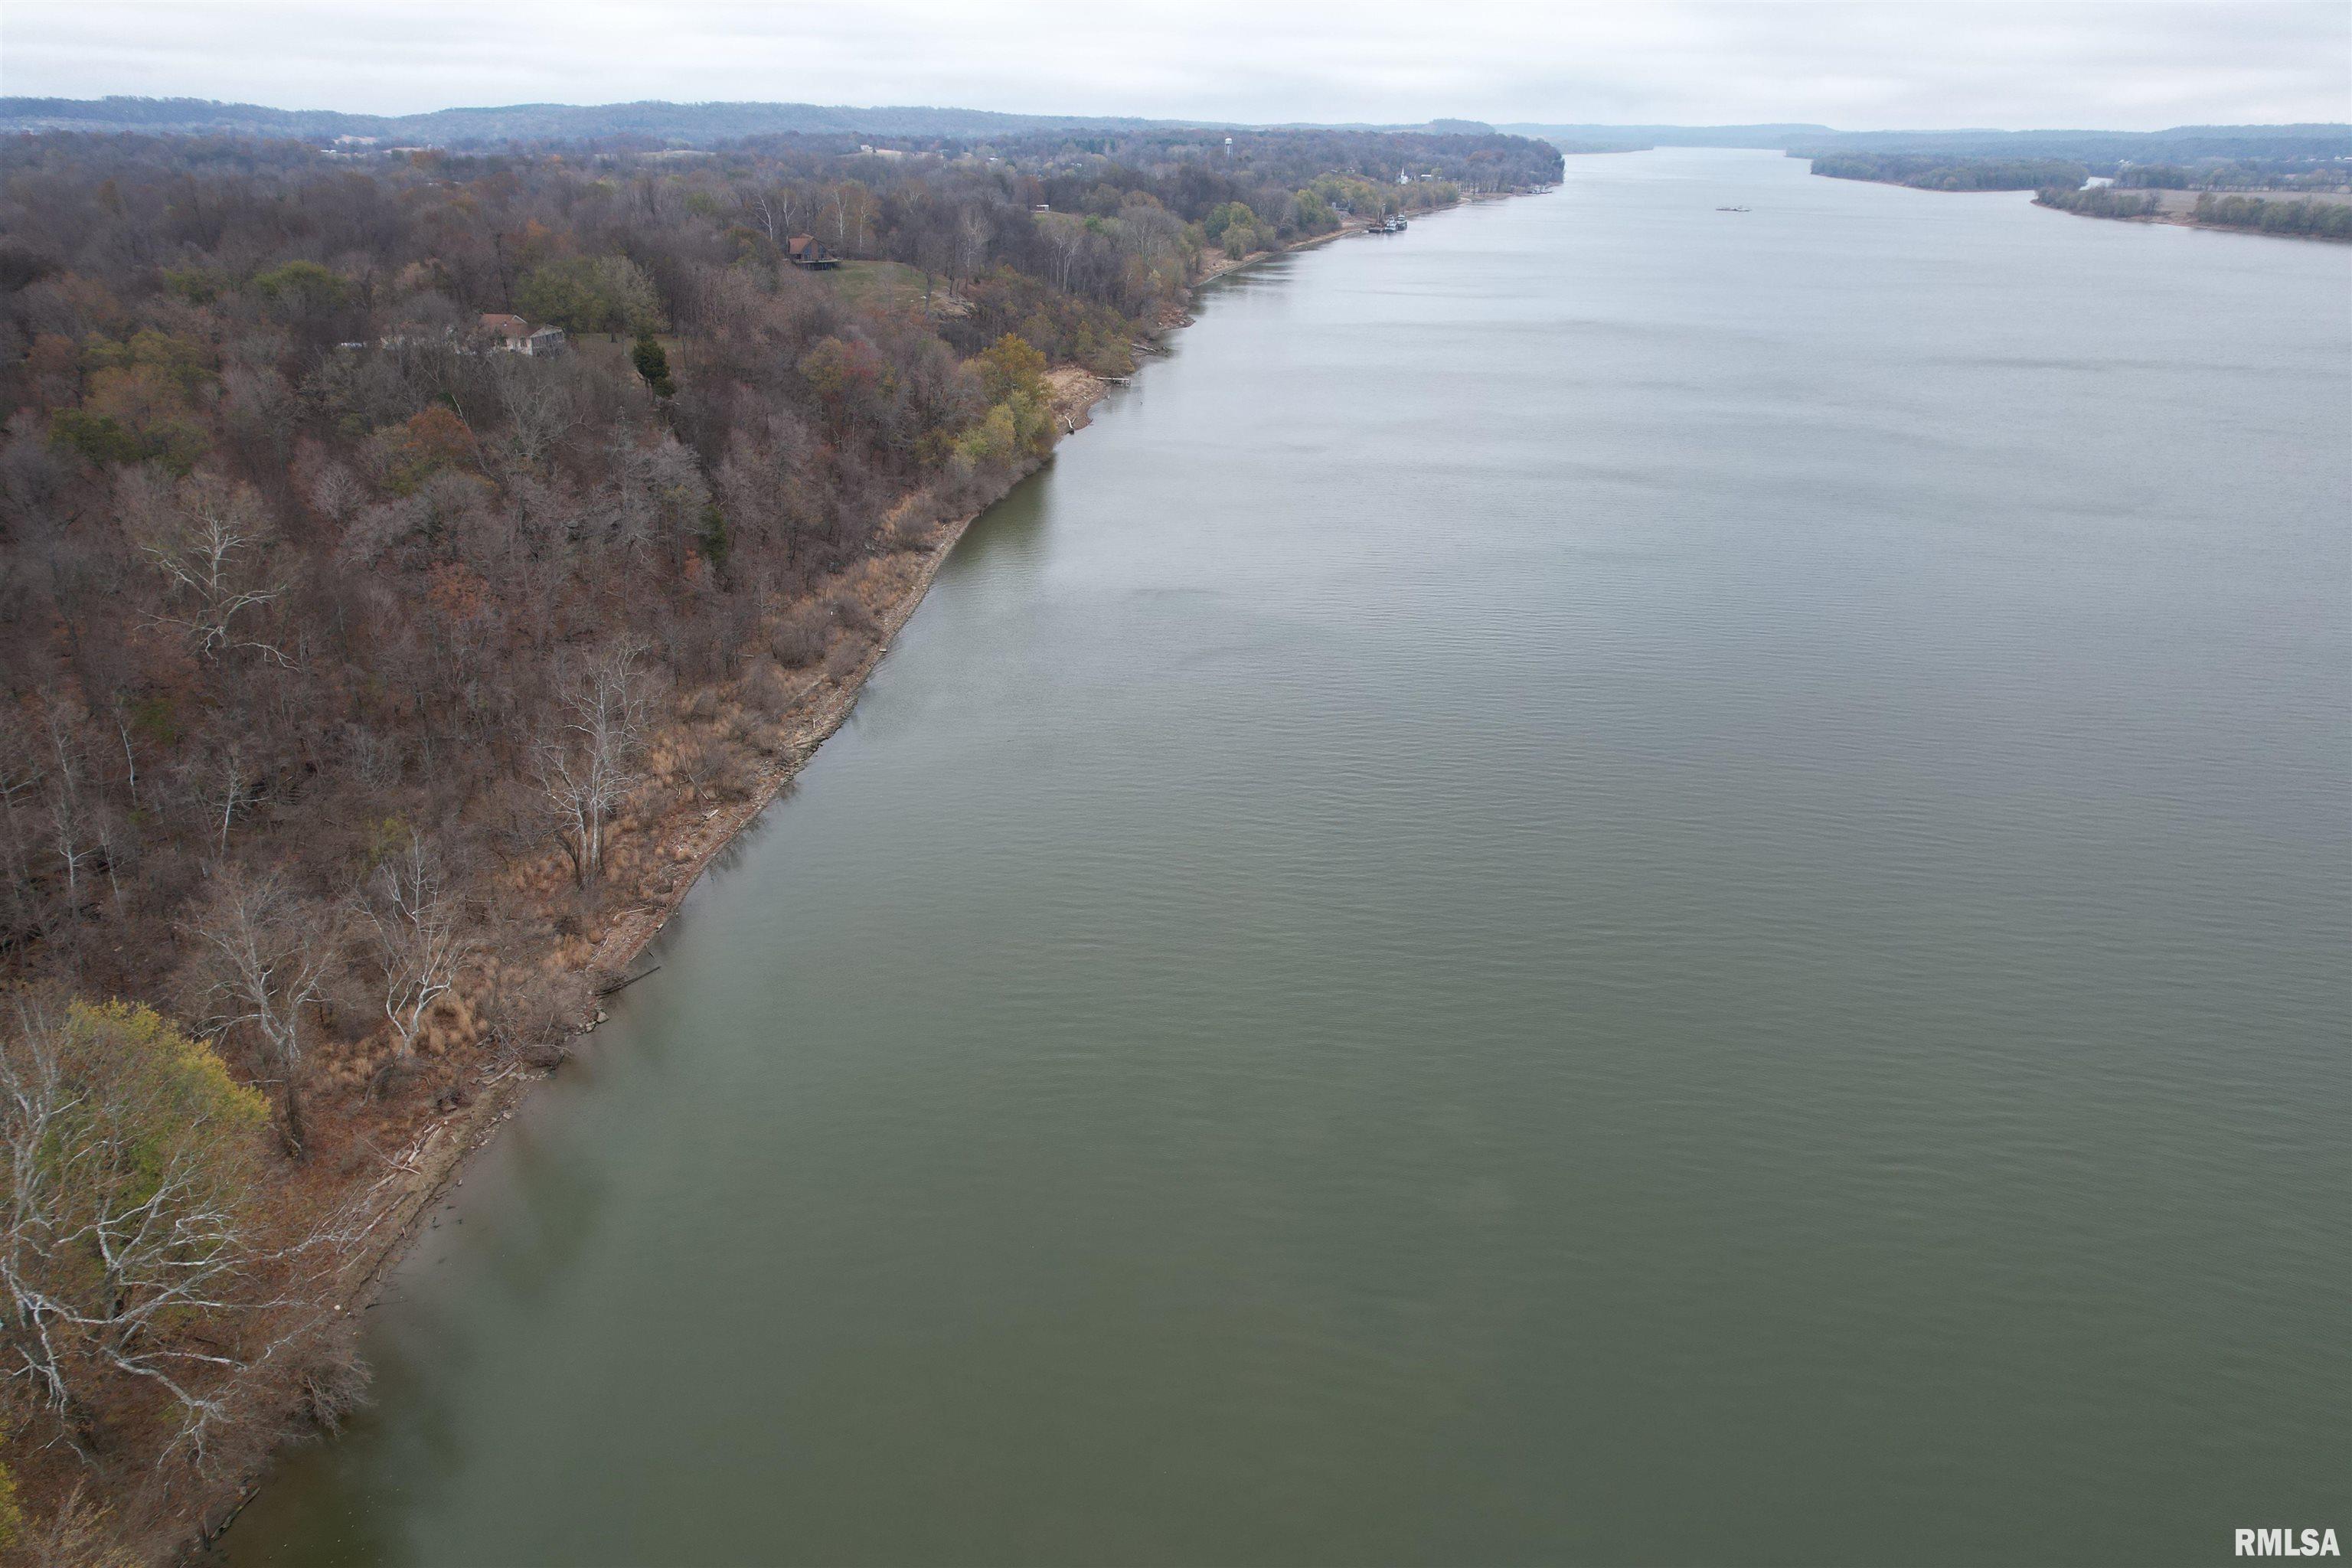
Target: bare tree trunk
x=268, y=955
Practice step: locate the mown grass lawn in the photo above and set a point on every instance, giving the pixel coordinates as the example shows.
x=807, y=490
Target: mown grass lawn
x=885, y=284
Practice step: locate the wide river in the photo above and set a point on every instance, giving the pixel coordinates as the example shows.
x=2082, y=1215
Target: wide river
x=1609, y=883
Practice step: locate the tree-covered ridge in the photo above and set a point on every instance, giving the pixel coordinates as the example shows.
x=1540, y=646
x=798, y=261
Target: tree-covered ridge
x=2102, y=151
x=2304, y=216
x=686, y=124
x=359, y=671
x=649, y=123
x=2239, y=174
x=2321, y=220
x=2099, y=149
x=1932, y=171
x=2099, y=201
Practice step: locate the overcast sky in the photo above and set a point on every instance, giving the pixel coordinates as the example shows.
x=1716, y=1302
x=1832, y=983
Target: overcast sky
x=1871, y=64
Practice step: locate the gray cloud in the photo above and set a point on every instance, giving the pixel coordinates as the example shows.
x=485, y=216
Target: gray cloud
x=1859, y=65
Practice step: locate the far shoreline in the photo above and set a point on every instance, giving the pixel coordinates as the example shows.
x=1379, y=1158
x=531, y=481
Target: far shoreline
x=2185, y=220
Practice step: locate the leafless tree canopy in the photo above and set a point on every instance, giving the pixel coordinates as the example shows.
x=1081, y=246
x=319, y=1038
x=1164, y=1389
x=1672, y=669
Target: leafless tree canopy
x=263, y=957
x=416, y=934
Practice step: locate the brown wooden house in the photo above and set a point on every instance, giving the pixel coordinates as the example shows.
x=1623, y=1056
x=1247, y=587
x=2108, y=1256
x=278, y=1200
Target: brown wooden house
x=804, y=250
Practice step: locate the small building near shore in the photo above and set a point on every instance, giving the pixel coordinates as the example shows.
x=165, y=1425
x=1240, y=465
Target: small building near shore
x=512, y=334
x=804, y=250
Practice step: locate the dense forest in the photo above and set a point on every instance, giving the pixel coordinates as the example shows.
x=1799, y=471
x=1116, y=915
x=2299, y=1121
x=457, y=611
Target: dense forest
x=2188, y=157
x=2100, y=201
x=401, y=557
x=1934, y=172
x=2240, y=174
x=2059, y=183
x=2319, y=220
x=2314, y=219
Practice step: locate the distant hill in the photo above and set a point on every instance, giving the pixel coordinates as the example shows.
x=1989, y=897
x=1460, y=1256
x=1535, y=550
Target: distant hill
x=1631, y=138
x=701, y=124
x=2182, y=143
x=687, y=123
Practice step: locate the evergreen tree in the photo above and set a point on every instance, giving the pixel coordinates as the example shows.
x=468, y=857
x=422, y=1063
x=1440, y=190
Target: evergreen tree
x=653, y=364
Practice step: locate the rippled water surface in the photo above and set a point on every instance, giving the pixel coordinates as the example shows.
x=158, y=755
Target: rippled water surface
x=1607, y=883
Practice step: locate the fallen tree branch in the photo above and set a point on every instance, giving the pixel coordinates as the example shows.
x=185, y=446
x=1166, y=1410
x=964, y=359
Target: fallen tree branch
x=623, y=985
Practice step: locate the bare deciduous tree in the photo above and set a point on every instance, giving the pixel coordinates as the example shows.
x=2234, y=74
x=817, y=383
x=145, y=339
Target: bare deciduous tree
x=1066, y=239
x=708, y=768
x=72, y=833
x=972, y=240
x=338, y=493
x=852, y=205
x=775, y=205
x=538, y=400
x=266, y=956
x=209, y=550
x=415, y=930
x=586, y=768
x=228, y=787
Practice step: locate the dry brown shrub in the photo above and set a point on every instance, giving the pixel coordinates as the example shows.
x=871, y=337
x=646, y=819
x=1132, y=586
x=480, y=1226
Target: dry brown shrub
x=82, y=1533
x=850, y=613
x=913, y=523
x=536, y=1010
x=765, y=690
x=743, y=728
x=801, y=636
x=451, y=1025
x=713, y=769
x=347, y=1072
